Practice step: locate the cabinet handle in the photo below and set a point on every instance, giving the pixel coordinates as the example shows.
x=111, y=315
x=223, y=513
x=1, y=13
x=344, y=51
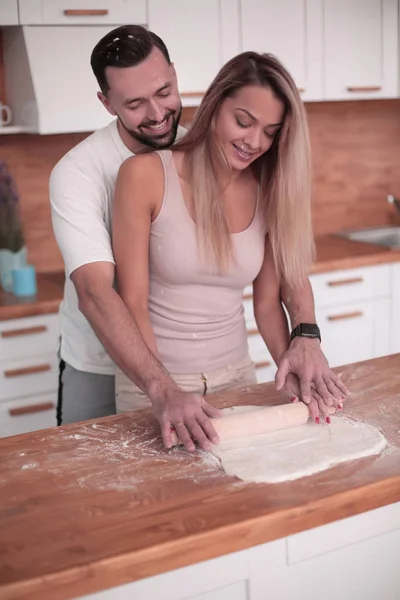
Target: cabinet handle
x=345, y=281
x=27, y=370
x=191, y=94
x=301, y=90
x=253, y=332
x=72, y=12
x=33, y=408
x=27, y=331
x=365, y=88
x=261, y=364
x=351, y=315
x=247, y=296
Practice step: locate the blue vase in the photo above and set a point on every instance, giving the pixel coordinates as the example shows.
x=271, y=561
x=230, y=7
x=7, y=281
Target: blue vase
x=8, y=262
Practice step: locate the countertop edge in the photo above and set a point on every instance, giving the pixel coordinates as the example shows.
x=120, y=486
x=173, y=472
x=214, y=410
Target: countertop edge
x=115, y=571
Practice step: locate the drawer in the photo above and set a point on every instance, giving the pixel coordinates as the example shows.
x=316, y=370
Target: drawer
x=28, y=376
x=83, y=12
x=267, y=373
x=22, y=338
x=265, y=366
x=29, y=414
x=355, y=332
x=351, y=285
x=249, y=313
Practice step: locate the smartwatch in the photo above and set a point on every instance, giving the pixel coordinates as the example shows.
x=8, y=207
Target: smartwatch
x=308, y=330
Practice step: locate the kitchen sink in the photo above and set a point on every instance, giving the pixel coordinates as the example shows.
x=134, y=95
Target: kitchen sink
x=381, y=236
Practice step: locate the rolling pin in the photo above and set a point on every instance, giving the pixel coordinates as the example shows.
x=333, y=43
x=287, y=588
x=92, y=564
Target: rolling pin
x=260, y=420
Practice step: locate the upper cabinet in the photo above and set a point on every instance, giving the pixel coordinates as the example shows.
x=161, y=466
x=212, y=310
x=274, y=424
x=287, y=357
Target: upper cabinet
x=8, y=12
x=361, y=49
x=200, y=36
x=77, y=12
x=292, y=31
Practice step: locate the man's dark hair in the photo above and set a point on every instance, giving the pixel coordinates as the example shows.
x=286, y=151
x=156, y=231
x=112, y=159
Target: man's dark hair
x=126, y=46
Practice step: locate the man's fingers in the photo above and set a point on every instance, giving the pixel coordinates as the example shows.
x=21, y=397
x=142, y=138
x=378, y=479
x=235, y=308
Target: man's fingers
x=211, y=411
x=335, y=393
x=166, y=434
x=305, y=389
x=340, y=385
x=323, y=391
x=280, y=376
x=184, y=435
x=208, y=427
x=198, y=434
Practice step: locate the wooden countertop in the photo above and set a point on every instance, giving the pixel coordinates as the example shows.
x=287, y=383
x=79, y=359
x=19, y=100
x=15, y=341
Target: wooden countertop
x=333, y=253
x=50, y=290
x=89, y=506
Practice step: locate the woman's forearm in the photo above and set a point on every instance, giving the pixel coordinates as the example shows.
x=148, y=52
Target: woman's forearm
x=274, y=330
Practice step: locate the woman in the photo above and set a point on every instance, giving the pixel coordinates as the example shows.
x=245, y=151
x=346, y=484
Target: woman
x=227, y=206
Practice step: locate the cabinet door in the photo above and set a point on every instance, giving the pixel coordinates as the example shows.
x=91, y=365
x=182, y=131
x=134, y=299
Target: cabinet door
x=191, y=31
x=8, y=12
x=292, y=31
x=28, y=414
x=395, y=310
x=82, y=12
x=355, y=332
x=360, y=49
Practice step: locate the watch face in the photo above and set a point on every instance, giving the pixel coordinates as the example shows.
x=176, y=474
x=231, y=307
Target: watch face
x=309, y=329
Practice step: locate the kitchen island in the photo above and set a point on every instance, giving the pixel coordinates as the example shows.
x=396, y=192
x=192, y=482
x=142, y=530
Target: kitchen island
x=101, y=510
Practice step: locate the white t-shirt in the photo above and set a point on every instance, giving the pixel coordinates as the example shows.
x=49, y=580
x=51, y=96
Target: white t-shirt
x=81, y=194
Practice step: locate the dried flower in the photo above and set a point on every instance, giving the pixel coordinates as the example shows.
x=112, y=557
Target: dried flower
x=11, y=235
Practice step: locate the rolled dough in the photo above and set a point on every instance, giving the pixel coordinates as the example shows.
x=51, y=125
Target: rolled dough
x=296, y=452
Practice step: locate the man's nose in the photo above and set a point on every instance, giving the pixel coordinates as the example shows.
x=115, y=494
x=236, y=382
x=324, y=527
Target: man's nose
x=156, y=111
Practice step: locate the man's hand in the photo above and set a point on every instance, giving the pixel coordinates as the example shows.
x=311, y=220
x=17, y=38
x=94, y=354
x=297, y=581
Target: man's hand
x=188, y=414
x=317, y=383
x=316, y=407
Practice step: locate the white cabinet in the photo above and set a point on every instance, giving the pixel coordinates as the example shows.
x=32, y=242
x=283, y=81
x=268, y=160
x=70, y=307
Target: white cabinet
x=361, y=49
x=28, y=374
x=353, y=313
x=82, y=12
x=200, y=37
x=364, y=549
x=292, y=31
x=395, y=310
x=8, y=12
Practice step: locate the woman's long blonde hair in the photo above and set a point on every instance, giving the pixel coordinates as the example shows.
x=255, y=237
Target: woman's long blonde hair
x=283, y=172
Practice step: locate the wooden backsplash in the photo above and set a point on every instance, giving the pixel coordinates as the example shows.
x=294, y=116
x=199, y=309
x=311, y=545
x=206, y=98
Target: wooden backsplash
x=356, y=156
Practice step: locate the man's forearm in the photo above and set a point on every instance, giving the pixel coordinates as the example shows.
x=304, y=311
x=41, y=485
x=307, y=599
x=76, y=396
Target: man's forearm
x=117, y=331
x=299, y=302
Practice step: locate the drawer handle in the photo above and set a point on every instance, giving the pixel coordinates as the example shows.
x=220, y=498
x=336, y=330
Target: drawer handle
x=27, y=331
x=248, y=296
x=349, y=281
x=364, y=88
x=262, y=364
x=33, y=408
x=72, y=12
x=351, y=315
x=252, y=332
x=191, y=94
x=301, y=90
x=27, y=370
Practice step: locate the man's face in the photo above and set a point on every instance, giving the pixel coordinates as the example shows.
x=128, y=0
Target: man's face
x=146, y=100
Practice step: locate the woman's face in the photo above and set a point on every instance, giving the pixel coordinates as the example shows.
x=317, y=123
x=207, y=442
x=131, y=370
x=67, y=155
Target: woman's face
x=247, y=123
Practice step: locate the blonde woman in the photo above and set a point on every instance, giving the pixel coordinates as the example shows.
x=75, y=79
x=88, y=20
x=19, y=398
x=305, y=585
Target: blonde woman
x=229, y=205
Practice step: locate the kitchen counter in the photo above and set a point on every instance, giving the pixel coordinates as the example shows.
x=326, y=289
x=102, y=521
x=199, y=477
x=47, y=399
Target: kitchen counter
x=90, y=506
x=50, y=290
x=332, y=254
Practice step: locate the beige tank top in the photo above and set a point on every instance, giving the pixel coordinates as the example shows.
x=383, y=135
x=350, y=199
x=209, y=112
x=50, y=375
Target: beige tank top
x=197, y=316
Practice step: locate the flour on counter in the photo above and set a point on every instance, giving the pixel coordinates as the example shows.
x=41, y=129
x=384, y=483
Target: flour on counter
x=289, y=454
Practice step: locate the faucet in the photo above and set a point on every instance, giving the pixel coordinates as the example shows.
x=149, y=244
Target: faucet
x=392, y=200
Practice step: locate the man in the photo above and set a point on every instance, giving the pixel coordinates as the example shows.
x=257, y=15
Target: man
x=139, y=87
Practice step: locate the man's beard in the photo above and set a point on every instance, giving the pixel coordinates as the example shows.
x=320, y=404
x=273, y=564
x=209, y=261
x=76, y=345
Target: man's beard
x=153, y=141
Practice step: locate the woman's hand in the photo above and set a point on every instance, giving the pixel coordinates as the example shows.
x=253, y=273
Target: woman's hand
x=189, y=415
x=315, y=380
x=316, y=406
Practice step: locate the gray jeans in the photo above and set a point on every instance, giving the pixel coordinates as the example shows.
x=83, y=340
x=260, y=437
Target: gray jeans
x=83, y=396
